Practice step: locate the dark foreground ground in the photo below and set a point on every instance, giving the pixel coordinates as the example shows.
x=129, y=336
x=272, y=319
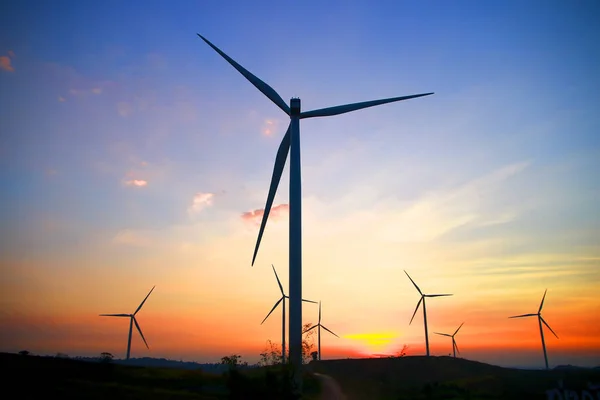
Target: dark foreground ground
x=371, y=379
x=419, y=377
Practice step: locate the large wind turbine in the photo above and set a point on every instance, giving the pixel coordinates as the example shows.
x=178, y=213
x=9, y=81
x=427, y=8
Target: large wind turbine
x=540, y=321
x=291, y=143
x=319, y=332
x=422, y=299
x=454, y=345
x=132, y=321
x=282, y=300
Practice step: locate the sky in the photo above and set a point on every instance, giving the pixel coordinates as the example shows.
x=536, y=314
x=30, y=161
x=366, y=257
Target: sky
x=133, y=155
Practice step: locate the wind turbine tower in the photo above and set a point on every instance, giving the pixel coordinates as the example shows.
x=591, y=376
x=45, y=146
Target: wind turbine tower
x=319, y=332
x=454, y=345
x=132, y=321
x=291, y=143
x=540, y=321
x=422, y=299
x=282, y=300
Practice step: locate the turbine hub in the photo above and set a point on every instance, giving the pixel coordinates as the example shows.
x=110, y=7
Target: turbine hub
x=295, y=106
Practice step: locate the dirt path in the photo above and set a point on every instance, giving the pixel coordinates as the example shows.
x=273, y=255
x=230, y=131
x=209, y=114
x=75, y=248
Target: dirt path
x=331, y=389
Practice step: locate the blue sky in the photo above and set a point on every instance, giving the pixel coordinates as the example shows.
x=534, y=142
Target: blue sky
x=116, y=116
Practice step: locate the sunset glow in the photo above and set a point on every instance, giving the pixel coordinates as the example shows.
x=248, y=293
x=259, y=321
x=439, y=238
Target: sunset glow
x=132, y=155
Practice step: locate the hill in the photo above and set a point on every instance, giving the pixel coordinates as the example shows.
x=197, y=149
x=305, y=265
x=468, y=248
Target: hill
x=64, y=378
x=420, y=377
x=402, y=378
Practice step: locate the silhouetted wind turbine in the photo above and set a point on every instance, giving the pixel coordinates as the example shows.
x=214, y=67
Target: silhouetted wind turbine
x=454, y=345
x=540, y=321
x=282, y=300
x=319, y=331
x=291, y=143
x=422, y=299
x=132, y=321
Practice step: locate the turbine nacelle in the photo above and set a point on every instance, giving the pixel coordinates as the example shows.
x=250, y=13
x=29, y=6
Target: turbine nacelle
x=133, y=321
x=541, y=321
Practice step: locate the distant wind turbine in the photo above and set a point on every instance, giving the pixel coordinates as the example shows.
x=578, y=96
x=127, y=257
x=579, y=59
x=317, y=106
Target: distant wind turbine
x=454, y=345
x=291, y=143
x=132, y=321
x=422, y=299
x=540, y=321
x=282, y=299
x=319, y=332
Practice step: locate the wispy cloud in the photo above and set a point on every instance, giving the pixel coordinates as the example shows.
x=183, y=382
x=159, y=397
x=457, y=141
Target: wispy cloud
x=136, y=182
x=6, y=62
x=200, y=202
x=61, y=99
x=277, y=212
x=131, y=238
x=270, y=126
x=124, y=108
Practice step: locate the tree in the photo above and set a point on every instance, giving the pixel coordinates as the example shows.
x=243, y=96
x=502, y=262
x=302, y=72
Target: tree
x=401, y=352
x=233, y=361
x=271, y=355
x=106, y=357
x=308, y=343
x=24, y=353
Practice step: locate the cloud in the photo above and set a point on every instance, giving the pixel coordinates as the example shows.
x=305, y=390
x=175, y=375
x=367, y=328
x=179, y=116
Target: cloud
x=131, y=238
x=255, y=216
x=124, y=108
x=200, y=202
x=97, y=90
x=269, y=127
x=61, y=99
x=136, y=182
x=5, y=62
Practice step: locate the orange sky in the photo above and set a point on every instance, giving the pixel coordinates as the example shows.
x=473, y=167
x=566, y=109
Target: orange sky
x=129, y=160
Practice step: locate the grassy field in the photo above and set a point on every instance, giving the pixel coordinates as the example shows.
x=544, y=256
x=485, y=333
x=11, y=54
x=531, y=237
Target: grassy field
x=448, y=378
x=395, y=378
x=31, y=377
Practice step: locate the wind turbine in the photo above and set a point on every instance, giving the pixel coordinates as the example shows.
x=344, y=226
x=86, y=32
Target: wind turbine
x=454, y=345
x=319, y=332
x=291, y=143
x=540, y=321
x=282, y=299
x=132, y=321
x=422, y=299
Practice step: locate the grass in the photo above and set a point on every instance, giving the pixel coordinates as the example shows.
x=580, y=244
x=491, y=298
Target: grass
x=446, y=378
x=405, y=378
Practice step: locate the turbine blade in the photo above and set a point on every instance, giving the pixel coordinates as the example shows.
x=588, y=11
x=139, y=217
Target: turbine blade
x=437, y=295
x=329, y=331
x=421, y=293
x=260, y=85
x=329, y=111
x=312, y=327
x=443, y=334
x=140, y=331
x=548, y=326
x=524, y=315
x=319, y=313
x=542, y=303
x=416, y=309
x=458, y=328
x=278, y=281
x=280, y=159
x=456, y=346
x=146, y=298
x=309, y=301
x=115, y=315
x=272, y=309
